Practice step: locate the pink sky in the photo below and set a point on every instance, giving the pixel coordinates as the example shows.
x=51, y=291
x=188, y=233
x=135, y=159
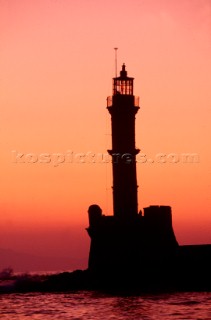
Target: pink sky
x=56, y=66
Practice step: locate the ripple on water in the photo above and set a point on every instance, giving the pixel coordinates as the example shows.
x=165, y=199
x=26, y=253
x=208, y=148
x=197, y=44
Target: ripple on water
x=94, y=306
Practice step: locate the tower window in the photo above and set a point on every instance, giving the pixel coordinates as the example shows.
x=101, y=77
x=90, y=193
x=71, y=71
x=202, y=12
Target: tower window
x=123, y=87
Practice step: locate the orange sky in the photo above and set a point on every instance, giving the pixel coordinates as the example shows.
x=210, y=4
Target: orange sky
x=56, y=66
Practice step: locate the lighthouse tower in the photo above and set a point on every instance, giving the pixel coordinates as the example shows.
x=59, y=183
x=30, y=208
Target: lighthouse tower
x=126, y=239
x=123, y=106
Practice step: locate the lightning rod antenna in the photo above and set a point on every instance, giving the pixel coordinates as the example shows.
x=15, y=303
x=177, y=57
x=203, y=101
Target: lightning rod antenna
x=116, y=61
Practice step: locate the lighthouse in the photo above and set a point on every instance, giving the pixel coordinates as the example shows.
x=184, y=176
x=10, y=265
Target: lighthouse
x=123, y=106
x=126, y=240
x=128, y=249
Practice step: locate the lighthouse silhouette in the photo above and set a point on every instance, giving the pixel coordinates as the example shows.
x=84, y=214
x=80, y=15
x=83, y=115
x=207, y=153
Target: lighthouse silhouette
x=123, y=106
x=126, y=239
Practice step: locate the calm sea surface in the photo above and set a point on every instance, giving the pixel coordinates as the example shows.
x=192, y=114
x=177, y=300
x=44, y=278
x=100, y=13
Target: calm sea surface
x=91, y=306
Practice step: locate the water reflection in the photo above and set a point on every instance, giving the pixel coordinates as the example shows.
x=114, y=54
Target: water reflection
x=94, y=306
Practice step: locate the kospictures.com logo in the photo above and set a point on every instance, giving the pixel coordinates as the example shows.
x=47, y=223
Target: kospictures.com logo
x=56, y=159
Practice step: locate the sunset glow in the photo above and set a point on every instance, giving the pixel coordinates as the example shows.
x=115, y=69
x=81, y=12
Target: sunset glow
x=57, y=64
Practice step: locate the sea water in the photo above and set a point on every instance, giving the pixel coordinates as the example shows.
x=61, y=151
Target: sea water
x=88, y=305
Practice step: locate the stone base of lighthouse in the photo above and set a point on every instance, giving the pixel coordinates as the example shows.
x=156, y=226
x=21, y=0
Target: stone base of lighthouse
x=132, y=244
